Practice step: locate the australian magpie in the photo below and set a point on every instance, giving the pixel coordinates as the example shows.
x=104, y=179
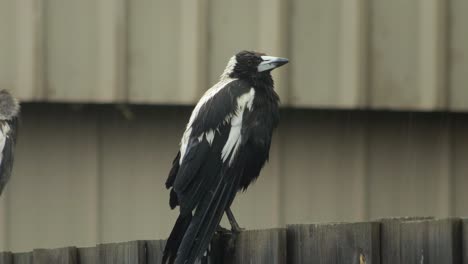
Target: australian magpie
x=9, y=109
x=225, y=145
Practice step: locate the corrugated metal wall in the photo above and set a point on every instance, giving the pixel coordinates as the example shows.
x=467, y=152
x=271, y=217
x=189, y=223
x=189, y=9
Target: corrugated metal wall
x=344, y=53
x=86, y=175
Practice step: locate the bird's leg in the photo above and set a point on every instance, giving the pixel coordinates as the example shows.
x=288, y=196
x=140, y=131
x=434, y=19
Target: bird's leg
x=234, y=225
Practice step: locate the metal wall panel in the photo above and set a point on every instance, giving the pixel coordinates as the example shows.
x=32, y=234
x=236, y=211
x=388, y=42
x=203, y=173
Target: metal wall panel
x=154, y=51
x=407, y=54
x=458, y=55
x=229, y=34
x=344, y=54
x=71, y=50
x=167, y=51
x=52, y=198
x=85, y=176
x=323, y=162
x=327, y=61
x=7, y=44
x=409, y=170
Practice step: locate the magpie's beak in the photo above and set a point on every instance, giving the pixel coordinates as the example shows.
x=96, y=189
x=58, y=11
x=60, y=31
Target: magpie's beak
x=270, y=63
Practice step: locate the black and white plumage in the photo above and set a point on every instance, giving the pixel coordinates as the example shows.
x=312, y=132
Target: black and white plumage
x=9, y=110
x=224, y=147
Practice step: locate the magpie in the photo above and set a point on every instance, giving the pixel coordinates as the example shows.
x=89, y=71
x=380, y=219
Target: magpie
x=9, y=110
x=225, y=145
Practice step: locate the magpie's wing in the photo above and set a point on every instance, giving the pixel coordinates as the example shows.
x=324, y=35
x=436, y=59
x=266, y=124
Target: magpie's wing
x=202, y=142
x=207, y=178
x=8, y=132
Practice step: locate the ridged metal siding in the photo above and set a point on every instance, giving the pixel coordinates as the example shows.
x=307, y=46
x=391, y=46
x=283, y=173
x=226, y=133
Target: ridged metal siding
x=344, y=53
x=88, y=175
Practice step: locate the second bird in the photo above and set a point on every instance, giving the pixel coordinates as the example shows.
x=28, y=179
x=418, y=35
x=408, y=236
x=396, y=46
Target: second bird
x=225, y=145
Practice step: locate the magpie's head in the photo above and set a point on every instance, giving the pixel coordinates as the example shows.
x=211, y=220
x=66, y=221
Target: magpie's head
x=249, y=64
x=9, y=106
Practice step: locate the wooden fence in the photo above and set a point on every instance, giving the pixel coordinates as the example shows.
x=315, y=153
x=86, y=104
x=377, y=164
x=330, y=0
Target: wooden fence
x=386, y=241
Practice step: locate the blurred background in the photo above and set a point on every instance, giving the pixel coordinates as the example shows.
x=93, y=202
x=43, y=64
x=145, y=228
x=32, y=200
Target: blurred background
x=373, y=123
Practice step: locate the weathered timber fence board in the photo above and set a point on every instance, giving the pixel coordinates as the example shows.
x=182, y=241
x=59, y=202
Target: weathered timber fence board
x=390, y=238
x=355, y=243
x=87, y=255
x=465, y=241
x=256, y=246
x=421, y=241
x=122, y=253
x=6, y=258
x=154, y=249
x=60, y=255
x=23, y=258
x=387, y=241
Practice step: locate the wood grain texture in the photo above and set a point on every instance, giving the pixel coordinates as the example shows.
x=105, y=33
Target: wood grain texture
x=6, y=258
x=422, y=241
x=465, y=240
x=88, y=255
x=122, y=253
x=257, y=246
x=390, y=237
x=356, y=243
x=61, y=255
x=23, y=258
x=154, y=251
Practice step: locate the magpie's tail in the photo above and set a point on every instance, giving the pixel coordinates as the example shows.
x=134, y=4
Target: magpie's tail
x=175, y=238
x=205, y=222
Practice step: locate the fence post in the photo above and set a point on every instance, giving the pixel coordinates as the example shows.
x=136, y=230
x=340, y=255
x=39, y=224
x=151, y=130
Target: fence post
x=133, y=252
x=60, y=255
x=256, y=246
x=421, y=241
x=23, y=258
x=154, y=250
x=354, y=243
x=465, y=240
x=6, y=258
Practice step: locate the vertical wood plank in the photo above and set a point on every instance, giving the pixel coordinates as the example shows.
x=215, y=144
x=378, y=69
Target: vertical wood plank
x=112, y=54
x=422, y=241
x=390, y=237
x=23, y=258
x=123, y=253
x=355, y=243
x=30, y=50
x=459, y=165
x=51, y=256
x=465, y=240
x=353, y=54
x=154, y=250
x=257, y=246
x=6, y=258
x=433, y=90
x=88, y=255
